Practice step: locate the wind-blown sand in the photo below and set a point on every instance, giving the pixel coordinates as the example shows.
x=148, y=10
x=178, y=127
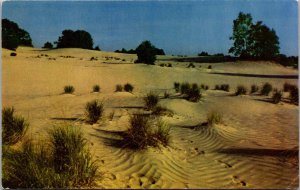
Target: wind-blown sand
x=256, y=147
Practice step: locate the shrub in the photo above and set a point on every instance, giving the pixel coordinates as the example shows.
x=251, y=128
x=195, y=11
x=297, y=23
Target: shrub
x=146, y=53
x=65, y=163
x=96, y=88
x=254, y=88
x=191, y=65
x=69, y=89
x=177, y=86
x=224, y=87
x=169, y=65
x=94, y=110
x=241, y=90
x=266, y=89
x=206, y=87
x=193, y=94
x=294, y=95
x=142, y=133
x=209, y=67
x=214, y=118
x=128, y=87
x=151, y=100
x=13, y=127
x=217, y=87
x=13, y=54
x=277, y=95
x=287, y=87
x=185, y=87
x=119, y=88
x=162, y=64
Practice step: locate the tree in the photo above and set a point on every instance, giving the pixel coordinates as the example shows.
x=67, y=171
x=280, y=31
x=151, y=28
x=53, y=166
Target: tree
x=203, y=53
x=253, y=40
x=77, y=39
x=97, y=48
x=146, y=53
x=48, y=45
x=13, y=36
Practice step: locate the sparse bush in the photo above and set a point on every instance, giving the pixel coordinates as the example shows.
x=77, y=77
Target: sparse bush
x=294, y=95
x=191, y=65
x=266, y=89
x=202, y=86
x=128, y=87
x=13, y=54
x=96, y=88
x=217, y=87
x=224, y=87
x=94, y=111
x=209, y=67
x=241, y=90
x=162, y=64
x=277, y=95
x=151, y=100
x=177, y=86
x=287, y=87
x=13, y=127
x=169, y=65
x=185, y=87
x=254, y=88
x=119, y=88
x=66, y=162
x=143, y=133
x=69, y=89
x=206, y=87
x=193, y=94
x=214, y=117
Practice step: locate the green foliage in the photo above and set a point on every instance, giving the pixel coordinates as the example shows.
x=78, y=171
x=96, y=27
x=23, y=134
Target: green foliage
x=266, y=89
x=96, y=88
x=119, y=88
x=69, y=89
x=128, y=87
x=253, y=40
x=75, y=39
x=13, y=36
x=13, y=127
x=241, y=90
x=254, y=88
x=277, y=95
x=146, y=53
x=94, y=110
x=48, y=45
x=63, y=163
x=214, y=117
x=151, y=100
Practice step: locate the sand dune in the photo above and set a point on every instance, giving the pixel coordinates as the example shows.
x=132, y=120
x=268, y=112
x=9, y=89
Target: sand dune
x=255, y=147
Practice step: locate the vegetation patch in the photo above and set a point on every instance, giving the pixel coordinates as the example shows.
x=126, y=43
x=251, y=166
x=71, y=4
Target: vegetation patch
x=177, y=86
x=128, y=87
x=151, y=100
x=241, y=90
x=254, y=88
x=96, y=88
x=119, y=88
x=294, y=95
x=214, y=118
x=266, y=89
x=94, y=110
x=69, y=89
x=277, y=95
x=13, y=126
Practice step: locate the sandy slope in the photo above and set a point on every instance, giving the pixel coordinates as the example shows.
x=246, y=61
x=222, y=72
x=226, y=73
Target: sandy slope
x=254, y=148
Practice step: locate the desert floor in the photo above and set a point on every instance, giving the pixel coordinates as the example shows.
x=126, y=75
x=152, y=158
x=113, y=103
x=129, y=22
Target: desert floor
x=256, y=147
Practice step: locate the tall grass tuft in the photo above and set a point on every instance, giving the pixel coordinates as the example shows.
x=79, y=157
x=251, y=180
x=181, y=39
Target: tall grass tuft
x=119, y=88
x=63, y=163
x=277, y=95
x=214, y=117
x=94, y=110
x=185, y=87
x=69, y=89
x=194, y=94
x=162, y=133
x=240, y=90
x=96, y=88
x=13, y=127
x=151, y=100
x=266, y=89
x=224, y=87
x=128, y=87
x=294, y=95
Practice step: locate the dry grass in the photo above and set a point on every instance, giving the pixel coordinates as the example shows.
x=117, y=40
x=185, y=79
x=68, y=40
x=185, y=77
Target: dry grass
x=214, y=117
x=69, y=89
x=94, y=110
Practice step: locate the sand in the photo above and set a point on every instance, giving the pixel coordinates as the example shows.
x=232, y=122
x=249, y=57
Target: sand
x=255, y=147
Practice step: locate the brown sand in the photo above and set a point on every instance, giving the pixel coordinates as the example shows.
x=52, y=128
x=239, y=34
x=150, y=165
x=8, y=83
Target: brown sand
x=256, y=147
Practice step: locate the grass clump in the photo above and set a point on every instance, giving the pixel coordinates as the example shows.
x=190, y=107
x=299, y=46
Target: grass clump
x=214, y=117
x=209, y=67
x=69, y=89
x=254, y=88
x=151, y=100
x=194, y=94
x=287, y=87
x=119, y=88
x=191, y=65
x=224, y=87
x=63, y=163
x=166, y=94
x=177, y=86
x=240, y=90
x=94, y=111
x=13, y=127
x=266, y=89
x=185, y=87
x=128, y=87
x=204, y=87
x=294, y=95
x=96, y=88
x=143, y=133
x=277, y=95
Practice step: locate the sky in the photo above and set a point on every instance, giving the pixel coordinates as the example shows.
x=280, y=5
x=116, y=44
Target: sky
x=178, y=27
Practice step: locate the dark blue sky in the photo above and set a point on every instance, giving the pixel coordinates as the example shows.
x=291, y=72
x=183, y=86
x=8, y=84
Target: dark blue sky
x=179, y=27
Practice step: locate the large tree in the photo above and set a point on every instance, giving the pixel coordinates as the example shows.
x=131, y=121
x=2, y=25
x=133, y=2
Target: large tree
x=253, y=40
x=75, y=39
x=13, y=36
x=146, y=53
